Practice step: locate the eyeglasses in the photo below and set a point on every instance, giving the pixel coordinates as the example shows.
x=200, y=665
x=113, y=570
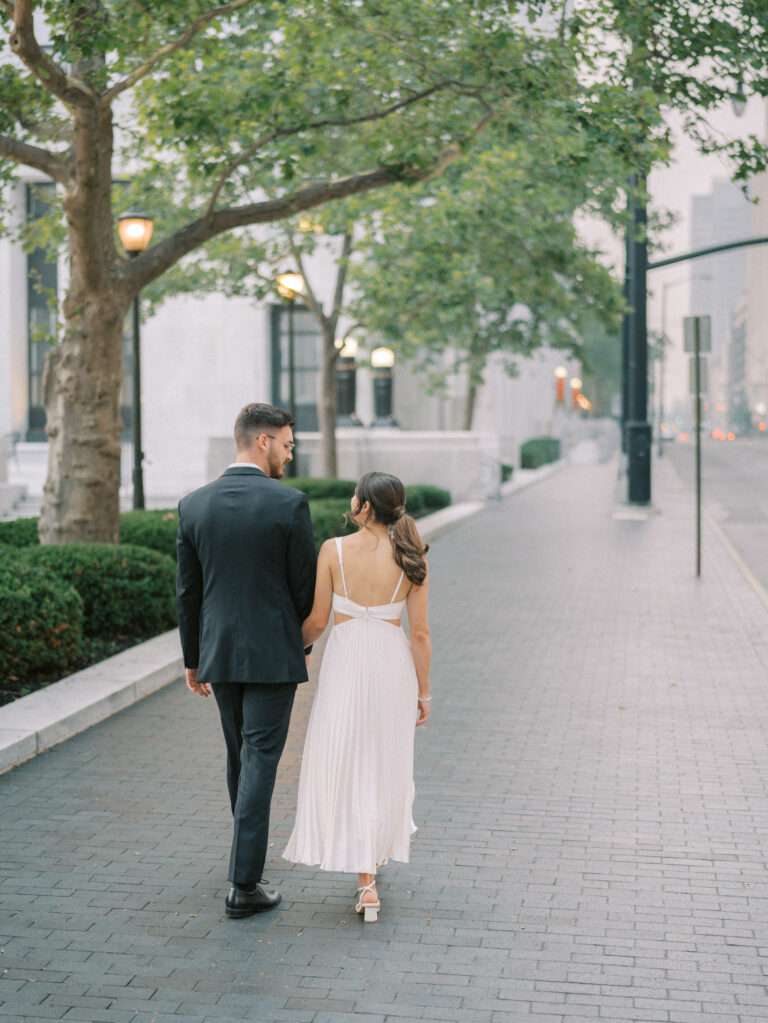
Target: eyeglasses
x=288, y=447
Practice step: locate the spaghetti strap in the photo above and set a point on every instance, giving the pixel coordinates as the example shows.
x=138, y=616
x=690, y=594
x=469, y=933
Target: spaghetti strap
x=397, y=588
x=341, y=566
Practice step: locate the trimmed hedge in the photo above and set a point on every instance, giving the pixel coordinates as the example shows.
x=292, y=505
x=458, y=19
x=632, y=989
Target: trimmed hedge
x=328, y=519
x=420, y=497
x=19, y=533
x=153, y=529
x=318, y=489
x=429, y=497
x=156, y=529
x=41, y=622
x=126, y=591
x=539, y=451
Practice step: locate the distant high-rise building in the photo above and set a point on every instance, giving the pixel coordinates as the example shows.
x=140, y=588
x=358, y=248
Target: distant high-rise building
x=718, y=282
x=756, y=365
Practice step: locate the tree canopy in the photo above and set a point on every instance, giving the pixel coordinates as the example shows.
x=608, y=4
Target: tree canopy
x=224, y=116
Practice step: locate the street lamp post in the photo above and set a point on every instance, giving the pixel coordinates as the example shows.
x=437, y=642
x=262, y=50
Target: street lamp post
x=290, y=285
x=561, y=374
x=382, y=361
x=638, y=427
x=135, y=230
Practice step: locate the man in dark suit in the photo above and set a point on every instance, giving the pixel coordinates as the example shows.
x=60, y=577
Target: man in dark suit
x=245, y=583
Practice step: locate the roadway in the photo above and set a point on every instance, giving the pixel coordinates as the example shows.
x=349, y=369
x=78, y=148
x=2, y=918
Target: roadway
x=735, y=489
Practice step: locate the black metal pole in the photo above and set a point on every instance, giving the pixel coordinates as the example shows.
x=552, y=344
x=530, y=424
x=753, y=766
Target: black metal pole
x=638, y=428
x=626, y=328
x=697, y=400
x=138, y=454
x=293, y=464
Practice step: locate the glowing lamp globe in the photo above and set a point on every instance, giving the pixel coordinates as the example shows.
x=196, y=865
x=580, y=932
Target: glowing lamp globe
x=135, y=230
x=289, y=285
x=382, y=358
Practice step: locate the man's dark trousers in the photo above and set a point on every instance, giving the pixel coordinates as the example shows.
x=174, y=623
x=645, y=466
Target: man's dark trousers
x=255, y=718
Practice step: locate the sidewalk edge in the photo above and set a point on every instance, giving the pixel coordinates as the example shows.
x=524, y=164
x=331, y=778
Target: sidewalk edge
x=741, y=564
x=37, y=722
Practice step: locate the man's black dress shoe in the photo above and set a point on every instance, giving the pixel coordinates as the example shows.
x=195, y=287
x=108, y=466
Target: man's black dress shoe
x=241, y=902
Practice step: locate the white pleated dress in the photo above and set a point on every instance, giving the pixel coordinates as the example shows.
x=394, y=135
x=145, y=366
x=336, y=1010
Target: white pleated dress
x=356, y=787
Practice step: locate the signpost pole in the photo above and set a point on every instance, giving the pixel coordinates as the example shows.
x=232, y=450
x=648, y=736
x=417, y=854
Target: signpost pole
x=697, y=399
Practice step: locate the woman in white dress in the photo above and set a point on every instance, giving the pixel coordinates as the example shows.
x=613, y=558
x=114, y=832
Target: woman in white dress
x=356, y=786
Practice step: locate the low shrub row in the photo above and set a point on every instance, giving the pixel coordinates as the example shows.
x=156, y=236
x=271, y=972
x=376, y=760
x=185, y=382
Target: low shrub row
x=41, y=623
x=54, y=599
x=421, y=498
x=153, y=529
x=539, y=451
x=156, y=529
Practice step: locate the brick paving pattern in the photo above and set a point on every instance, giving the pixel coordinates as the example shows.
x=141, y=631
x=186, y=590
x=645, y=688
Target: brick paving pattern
x=592, y=803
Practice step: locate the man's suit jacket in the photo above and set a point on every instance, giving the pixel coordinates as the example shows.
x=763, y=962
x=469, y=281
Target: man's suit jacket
x=245, y=578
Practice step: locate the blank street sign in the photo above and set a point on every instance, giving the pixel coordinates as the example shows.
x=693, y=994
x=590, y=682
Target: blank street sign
x=705, y=333
x=703, y=375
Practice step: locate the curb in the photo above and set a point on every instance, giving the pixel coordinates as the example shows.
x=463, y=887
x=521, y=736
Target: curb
x=37, y=722
x=531, y=476
x=741, y=564
x=34, y=723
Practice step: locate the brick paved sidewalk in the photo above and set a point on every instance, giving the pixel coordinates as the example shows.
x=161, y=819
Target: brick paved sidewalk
x=592, y=802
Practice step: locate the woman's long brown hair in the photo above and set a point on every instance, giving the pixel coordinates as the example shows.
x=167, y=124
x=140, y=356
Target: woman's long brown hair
x=386, y=495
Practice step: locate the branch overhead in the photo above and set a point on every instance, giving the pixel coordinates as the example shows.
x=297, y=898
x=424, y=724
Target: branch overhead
x=328, y=122
x=156, y=260
x=189, y=33
x=52, y=164
x=24, y=44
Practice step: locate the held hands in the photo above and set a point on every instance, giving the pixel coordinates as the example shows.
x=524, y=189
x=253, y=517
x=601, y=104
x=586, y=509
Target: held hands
x=200, y=688
x=423, y=708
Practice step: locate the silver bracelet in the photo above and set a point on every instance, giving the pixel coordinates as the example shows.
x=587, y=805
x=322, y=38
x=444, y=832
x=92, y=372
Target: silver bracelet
x=425, y=699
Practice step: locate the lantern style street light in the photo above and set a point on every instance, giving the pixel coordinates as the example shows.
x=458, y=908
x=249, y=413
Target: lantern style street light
x=561, y=374
x=382, y=361
x=135, y=230
x=290, y=286
x=576, y=385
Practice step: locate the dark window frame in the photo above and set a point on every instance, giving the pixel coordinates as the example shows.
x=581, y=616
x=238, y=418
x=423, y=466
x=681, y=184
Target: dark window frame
x=307, y=413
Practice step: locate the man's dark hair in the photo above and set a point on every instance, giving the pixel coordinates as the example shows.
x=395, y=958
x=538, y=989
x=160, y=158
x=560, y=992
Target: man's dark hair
x=259, y=418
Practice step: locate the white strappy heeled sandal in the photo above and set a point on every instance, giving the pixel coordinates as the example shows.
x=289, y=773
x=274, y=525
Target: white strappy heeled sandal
x=370, y=910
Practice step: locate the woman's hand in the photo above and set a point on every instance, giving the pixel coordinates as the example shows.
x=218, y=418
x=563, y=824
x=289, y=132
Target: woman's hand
x=423, y=713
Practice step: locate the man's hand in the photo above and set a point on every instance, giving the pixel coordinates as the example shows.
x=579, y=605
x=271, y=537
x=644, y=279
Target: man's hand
x=201, y=688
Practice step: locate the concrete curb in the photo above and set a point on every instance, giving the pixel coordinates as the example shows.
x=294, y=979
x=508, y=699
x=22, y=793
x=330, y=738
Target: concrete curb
x=34, y=723
x=523, y=478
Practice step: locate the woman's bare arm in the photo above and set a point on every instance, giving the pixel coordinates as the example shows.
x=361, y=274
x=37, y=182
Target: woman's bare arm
x=421, y=641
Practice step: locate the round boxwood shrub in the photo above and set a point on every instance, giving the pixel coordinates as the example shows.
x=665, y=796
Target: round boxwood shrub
x=127, y=591
x=19, y=533
x=41, y=622
x=539, y=451
x=328, y=519
x=428, y=497
x=154, y=529
x=321, y=489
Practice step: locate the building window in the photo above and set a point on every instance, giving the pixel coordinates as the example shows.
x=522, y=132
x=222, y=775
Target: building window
x=42, y=295
x=307, y=346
